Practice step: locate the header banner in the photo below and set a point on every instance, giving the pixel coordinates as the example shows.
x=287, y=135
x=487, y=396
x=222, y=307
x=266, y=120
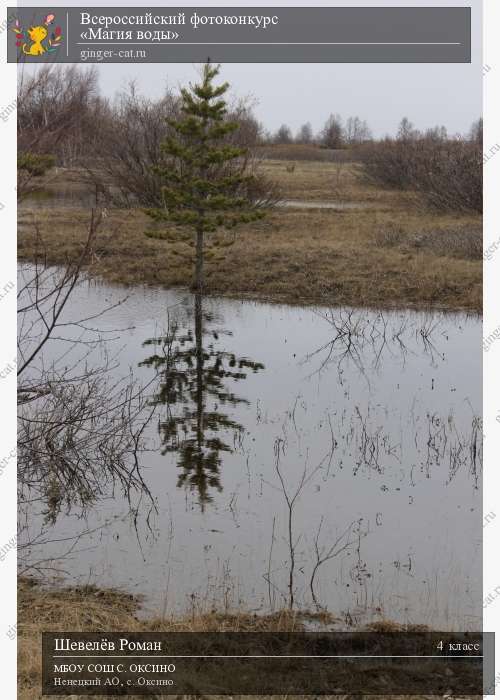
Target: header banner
x=239, y=34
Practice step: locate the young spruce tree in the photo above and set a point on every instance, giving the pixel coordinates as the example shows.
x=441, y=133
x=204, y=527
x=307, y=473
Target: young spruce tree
x=205, y=178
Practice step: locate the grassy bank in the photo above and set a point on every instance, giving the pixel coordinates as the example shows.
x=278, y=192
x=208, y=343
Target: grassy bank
x=102, y=610
x=388, y=252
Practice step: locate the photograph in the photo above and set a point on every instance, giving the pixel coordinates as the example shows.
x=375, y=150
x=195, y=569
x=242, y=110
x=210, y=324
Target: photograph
x=249, y=350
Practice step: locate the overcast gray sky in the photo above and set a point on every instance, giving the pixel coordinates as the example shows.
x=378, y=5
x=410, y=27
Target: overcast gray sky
x=429, y=94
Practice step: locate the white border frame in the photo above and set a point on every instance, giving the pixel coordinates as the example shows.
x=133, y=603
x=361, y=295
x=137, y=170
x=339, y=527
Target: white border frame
x=8, y=486
x=491, y=373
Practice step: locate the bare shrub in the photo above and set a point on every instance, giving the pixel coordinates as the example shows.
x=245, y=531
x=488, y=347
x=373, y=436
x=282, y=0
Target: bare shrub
x=58, y=112
x=129, y=149
x=447, y=173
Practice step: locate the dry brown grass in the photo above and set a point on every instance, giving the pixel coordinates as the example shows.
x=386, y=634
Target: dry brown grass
x=294, y=255
x=92, y=609
x=104, y=610
x=339, y=182
x=465, y=242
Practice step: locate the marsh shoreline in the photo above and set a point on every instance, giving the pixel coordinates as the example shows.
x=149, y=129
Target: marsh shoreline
x=389, y=254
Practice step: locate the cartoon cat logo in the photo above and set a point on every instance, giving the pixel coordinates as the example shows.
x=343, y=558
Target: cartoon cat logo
x=36, y=41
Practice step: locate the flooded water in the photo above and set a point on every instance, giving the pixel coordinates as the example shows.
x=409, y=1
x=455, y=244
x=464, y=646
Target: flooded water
x=312, y=204
x=74, y=195
x=334, y=454
x=67, y=196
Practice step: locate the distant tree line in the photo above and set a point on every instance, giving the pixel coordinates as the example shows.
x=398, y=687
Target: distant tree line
x=61, y=113
x=334, y=134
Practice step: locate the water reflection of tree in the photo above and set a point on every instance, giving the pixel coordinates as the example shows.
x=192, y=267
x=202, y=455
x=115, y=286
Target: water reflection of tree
x=193, y=374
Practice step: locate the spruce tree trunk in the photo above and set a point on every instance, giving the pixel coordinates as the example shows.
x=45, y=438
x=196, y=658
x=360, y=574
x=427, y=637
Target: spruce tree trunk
x=199, y=261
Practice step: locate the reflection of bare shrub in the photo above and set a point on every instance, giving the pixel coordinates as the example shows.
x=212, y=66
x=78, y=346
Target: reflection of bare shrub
x=464, y=242
x=79, y=428
x=447, y=172
x=76, y=437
